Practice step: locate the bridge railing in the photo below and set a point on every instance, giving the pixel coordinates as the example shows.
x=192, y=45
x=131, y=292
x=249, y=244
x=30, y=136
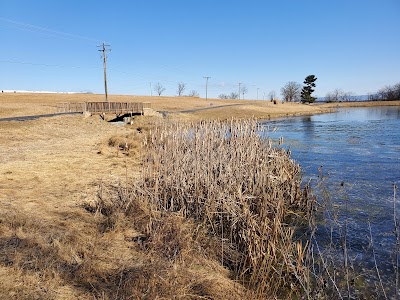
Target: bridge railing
x=104, y=107
x=71, y=107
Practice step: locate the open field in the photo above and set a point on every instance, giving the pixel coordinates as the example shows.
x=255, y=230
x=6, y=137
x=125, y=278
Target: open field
x=48, y=168
x=22, y=104
x=51, y=247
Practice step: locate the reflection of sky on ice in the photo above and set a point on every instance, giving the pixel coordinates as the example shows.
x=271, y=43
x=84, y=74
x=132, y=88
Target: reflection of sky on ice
x=360, y=148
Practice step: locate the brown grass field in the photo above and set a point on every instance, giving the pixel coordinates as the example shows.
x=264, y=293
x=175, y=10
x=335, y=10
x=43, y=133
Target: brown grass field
x=57, y=241
x=22, y=104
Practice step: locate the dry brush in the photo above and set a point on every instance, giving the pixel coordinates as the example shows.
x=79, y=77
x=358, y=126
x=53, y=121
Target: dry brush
x=229, y=180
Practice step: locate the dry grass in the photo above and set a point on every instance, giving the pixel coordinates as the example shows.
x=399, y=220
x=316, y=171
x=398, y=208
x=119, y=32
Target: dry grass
x=209, y=218
x=48, y=167
x=218, y=190
x=71, y=227
x=21, y=104
x=52, y=248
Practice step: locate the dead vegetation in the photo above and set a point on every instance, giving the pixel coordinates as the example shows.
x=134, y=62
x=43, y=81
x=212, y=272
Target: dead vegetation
x=216, y=213
x=216, y=194
x=213, y=214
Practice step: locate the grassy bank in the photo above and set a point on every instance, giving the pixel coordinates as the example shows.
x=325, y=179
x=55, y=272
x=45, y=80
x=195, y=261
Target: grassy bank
x=91, y=210
x=80, y=219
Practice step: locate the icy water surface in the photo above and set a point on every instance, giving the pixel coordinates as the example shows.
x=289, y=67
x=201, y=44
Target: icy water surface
x=359, y=151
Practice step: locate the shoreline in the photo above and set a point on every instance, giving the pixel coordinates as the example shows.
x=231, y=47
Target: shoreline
x=54, y=169
x=361, y=104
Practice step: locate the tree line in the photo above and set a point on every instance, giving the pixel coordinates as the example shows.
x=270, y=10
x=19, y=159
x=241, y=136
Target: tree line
x=293, y=91
x=389, y=92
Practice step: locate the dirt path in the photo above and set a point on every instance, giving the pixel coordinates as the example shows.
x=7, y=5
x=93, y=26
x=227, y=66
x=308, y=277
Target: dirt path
x=34, y=117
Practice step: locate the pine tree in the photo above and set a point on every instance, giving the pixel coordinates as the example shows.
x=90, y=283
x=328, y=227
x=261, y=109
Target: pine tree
x=308, y=89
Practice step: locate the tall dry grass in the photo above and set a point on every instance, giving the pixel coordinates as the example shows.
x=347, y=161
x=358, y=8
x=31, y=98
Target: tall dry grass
x=243, y=195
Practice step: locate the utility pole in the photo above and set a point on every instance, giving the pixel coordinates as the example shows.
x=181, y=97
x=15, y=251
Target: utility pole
x=257, y=92
x=239, y=89
x=206, y=77
x=104, y=50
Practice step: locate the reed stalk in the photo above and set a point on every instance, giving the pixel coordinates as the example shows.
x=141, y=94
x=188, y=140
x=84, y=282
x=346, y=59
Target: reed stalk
x=248, y=194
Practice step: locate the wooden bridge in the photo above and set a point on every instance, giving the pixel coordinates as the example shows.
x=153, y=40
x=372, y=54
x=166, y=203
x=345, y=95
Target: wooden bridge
x=118, y=108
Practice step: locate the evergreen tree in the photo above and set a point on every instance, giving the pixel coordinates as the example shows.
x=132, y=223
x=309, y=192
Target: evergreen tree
x=308, y=89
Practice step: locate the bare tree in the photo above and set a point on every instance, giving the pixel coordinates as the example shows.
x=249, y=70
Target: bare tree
x=181, y=88
x=272, y=95
x=291, y=91
x=348, y=96
x=159, y=89
x=233, y=95
x=334, y=96
x=397, y=91
x=339, y=95
x=243, y=90
x=389, y=92
x=194, y=93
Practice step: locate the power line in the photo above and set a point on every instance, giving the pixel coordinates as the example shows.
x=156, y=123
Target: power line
x=45, y=31
x=45, y=65
x=104, y=50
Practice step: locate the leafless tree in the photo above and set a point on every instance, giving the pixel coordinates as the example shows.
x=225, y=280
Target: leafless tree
x=397, y=91
x=339, y=95
x=371, y=96
x=272, y=95
x=243, y=90
x=234, y=95
x=348, y=96
x=181, y=88
x=194, y=93
x=159, y=89
x=291, y=91
x=389, y=92
x=334, y=96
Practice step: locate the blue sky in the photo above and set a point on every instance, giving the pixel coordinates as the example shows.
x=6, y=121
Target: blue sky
x=50, y=45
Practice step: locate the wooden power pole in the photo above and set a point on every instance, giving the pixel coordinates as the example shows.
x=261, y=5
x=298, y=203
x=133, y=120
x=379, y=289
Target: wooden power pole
x=104, y=50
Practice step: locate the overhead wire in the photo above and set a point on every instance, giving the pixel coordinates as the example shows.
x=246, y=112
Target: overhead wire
x=70, y=36
x=46, y=65
x=46, y=31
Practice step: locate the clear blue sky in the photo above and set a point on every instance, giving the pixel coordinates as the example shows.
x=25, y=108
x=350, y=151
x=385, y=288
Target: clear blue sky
x=50, y=45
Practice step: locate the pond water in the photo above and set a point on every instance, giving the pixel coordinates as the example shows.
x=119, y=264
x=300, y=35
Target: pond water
x=359, y=152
